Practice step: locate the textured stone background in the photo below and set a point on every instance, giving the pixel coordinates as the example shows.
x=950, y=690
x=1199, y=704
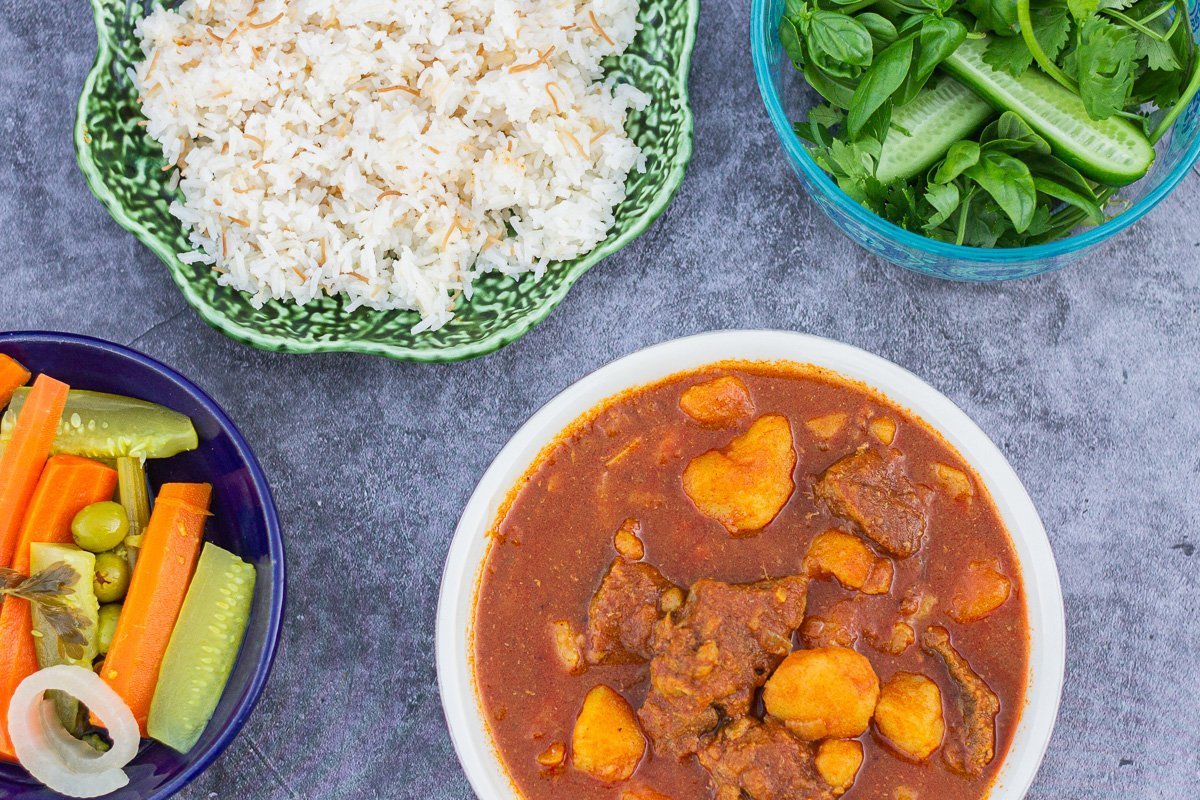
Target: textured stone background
x=1087, y=379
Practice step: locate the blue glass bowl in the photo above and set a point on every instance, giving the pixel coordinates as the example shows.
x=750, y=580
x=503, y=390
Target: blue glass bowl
x=244, y=521
x=788, y=98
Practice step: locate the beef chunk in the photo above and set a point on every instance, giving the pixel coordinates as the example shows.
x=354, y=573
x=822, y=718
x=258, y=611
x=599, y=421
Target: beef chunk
x=873, y=492
x=752, y=760
x=623, y=611
x=840, y=625
x=711, y=656
x=973, y=746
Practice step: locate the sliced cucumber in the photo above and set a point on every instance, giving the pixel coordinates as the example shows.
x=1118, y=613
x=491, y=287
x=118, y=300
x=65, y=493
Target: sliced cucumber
x=1112, y=151
x=48, y=643
x=923, y=130
x=202, y=649
x=99, y=425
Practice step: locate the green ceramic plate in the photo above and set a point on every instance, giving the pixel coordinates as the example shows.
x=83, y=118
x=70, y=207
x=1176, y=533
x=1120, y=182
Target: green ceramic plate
x=122, y=167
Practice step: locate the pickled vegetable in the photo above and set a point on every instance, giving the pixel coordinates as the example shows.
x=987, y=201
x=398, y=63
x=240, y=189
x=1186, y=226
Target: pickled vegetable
x=52, y=645
x=99, y=425
x=100, y=526
x=12, y=376
x=202, y=650
x=111, y=580
x=109, y=614
x=52, y=755
x=156, y=594
x=134, y=493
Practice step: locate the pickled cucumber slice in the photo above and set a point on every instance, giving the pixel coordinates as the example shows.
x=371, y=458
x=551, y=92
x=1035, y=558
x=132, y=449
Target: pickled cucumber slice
x=98, y=425
x=49, y=646
x=202, y=649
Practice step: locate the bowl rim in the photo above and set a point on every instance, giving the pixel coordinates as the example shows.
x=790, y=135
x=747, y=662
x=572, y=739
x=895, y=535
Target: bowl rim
x=275, y=548
x=761, y=45
x=276, y=343
x=468, y=549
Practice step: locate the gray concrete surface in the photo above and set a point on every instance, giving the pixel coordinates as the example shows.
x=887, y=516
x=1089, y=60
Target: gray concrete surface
x=1087, y=379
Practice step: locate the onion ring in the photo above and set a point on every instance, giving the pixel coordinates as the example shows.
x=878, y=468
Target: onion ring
x=53, y=756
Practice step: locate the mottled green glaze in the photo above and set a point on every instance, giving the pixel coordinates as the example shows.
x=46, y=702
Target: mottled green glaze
x=122, y=166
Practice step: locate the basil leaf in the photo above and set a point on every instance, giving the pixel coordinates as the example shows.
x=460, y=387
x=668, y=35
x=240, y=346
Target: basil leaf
x=944, y=197
x=879, y=123
x=938, y=39
x=1062, y=172
x=835, y=40
x=1105, y=64
x=938, y=7
x=836, y=90
x=1010, y=184
x=789, y=38
x=1070, y=196
x=795, y=8
x=961, y=156
x=826, y=116
x=1010, y=125
x=1011, y=134
x=879, y=83
x=882, y=31
x=998, y=16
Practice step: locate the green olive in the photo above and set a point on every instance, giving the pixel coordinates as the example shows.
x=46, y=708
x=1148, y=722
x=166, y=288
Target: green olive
x=107, y=625
x=112, y=577
x=100, y=526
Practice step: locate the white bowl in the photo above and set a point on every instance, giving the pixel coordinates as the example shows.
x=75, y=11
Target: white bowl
x=469, y=549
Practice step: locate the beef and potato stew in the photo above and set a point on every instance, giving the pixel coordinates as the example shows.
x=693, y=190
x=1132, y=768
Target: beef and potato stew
x=751, y=582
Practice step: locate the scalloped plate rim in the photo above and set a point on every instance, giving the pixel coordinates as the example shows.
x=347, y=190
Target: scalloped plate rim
x=482, y=347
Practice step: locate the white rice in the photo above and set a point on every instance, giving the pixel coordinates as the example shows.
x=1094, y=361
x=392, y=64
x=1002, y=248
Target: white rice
x=389, y=150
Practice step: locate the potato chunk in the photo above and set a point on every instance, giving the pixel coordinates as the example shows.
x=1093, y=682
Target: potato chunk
x=827, y=426
x=607, y=742
x=909, y=715
x=718, y=403
x=553, y=756
x=956, y=482
x=746, y=483
x=568, y=646
x=838, y=761
x=846, y=557
x=825, y=693
x=883, y=429
x=628, y=540
x=981, y=590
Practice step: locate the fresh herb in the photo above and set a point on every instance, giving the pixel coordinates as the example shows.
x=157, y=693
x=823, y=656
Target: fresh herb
x=1132, y=65
x=48, y=590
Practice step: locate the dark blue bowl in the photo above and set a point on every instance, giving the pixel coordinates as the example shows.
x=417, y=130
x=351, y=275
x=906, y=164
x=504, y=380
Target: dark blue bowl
x=244, y=521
